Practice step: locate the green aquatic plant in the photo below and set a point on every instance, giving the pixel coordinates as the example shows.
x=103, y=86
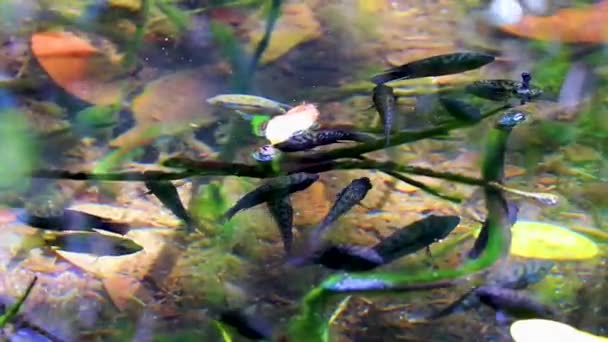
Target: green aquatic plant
x=223, y=331
x=14, y=309
x=179, y=18
x=273, y=14
x=138, y=38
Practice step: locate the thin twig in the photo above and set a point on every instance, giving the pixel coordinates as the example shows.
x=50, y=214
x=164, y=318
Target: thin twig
x=398, y=138
x=423, y=187
x=193, y=168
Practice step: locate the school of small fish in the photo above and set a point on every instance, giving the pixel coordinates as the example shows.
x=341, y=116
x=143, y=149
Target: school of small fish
x=294, y=129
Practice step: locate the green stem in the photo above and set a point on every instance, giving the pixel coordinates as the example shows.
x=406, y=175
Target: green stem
x=380, y=143
x=273, y=16
x=14, y=309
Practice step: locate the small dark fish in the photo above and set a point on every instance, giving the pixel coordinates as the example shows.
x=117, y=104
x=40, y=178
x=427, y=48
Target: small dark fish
x=248, y=326
x=500, y=299
x=282, y=212
x=408, y=240
x=385, y=102
x=516, y=276
x=91, y=243
x=435, y=66
x=274, y=188
x=349, y=258
x=416, y=236
x=520, y=275
x=68, y=219
x=460, y=109
x=308, y=139
x=513, y=303
x=351, y=195
x=167, y=194
x=502, y=90
x=511, y=210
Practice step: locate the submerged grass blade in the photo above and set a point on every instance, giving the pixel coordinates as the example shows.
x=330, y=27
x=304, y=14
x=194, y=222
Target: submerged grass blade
x=180, y=19
x=223, y=331
x=226, y=41
x=14, y=309
x=273, y=15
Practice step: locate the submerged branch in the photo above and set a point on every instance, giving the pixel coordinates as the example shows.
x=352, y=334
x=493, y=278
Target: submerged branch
x=398, y=138
x=194, y=168
x=128, y=176
x=387, y=167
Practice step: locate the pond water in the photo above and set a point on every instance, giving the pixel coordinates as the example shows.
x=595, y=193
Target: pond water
x=238, y=170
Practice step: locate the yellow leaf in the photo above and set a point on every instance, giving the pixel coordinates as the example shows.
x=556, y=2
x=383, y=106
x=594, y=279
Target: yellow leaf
x=547, y=241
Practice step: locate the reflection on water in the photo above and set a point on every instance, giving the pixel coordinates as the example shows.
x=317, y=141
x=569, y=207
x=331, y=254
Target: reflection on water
x=99, y=96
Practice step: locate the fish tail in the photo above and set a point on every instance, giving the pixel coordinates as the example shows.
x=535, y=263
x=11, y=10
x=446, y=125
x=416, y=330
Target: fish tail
x=224, y=219
x=387, y=134
x=299, y=261
x=228, y=216
x=114, y=227
x=384, y=77
x=317, y=235
x=480, y=243
x=45, y=239
x=287, y=237
x=467, y=302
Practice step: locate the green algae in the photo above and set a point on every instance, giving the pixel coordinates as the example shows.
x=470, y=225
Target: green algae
x=18, y=152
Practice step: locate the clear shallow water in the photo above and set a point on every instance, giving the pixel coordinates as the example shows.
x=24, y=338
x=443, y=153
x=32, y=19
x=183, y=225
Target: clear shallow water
x=180, y=283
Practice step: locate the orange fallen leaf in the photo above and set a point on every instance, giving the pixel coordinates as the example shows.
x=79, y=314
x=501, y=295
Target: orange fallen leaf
x=571, y=25
x=77, y=66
